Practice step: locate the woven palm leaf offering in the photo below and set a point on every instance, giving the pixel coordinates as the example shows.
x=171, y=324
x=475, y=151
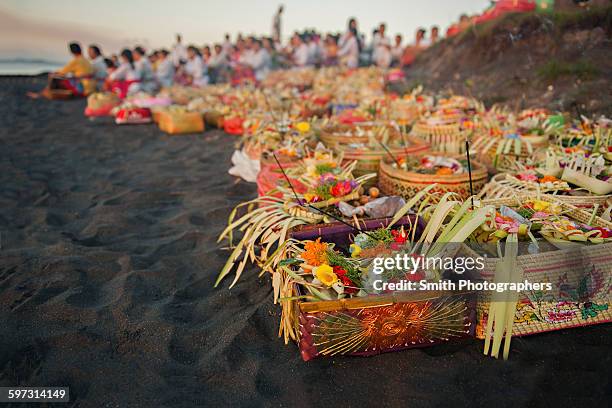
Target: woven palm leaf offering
x=336, y=300
x=452, y=122
x=332, y=133
x=409, y=175
x=562, y=252
x=409, y=108
x=573, y=175
x=265, y=221
x=508, y=140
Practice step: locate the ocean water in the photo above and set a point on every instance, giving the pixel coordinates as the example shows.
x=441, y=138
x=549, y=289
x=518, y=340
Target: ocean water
x=26, y=67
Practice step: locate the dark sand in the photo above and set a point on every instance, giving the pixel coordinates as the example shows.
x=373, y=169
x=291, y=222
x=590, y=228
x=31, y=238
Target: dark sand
x=106, y=269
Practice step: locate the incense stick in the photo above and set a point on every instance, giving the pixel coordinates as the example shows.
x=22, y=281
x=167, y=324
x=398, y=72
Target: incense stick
x=399, y=166
x=467, y=152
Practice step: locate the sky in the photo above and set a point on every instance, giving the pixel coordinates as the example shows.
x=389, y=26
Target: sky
x=41, y=28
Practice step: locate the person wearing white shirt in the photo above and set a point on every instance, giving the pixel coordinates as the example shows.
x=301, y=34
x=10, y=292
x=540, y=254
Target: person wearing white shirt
x=260, y=61
x=165, y=69
x=383, y=56
x=99, y=66
x=352, y=26
x=145, y=71
x=219, y=58
x=349, y=50
x=314, y=50
x=227, y=45
x=379, y=41
x=196, y=68
x=179, y=52
x=126, y=71
x=300, y=52
x=397, y=50
x=217, y=63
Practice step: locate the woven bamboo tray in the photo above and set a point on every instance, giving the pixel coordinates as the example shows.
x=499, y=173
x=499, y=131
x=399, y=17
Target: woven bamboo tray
x=378, y=323
x=580, y=276
x=508, y=161
x=333, y=135
x=505, y=186
x=448, y=138
x=393, y=181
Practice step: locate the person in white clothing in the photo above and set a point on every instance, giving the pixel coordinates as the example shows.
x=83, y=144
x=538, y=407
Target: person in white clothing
x=300, y=51
x=397, y=50
x=352, y=26
x=227, y=45
x=99, y=66
x=383, y=56
x=314, y=50
x=195, y=67
x=260, y=61
x=126, y=71
x=379, y=41
x=179, y=52
x=145, y=71
x=165, y=69
x=349, y=50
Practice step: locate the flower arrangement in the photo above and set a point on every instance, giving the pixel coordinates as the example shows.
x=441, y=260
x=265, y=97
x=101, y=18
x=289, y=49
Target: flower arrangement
x=330, y=186
x=429, y=164
x=539, y=219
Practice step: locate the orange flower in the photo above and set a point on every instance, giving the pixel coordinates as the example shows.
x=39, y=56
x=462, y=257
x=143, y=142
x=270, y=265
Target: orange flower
x=444, y=171
x=546, y=179
x=315, y=252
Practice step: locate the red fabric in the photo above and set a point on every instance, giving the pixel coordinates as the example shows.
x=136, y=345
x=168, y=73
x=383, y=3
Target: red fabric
x=233, y=126
x=348, y=117
x=321, y=100
x=105, y=111
x=69, y=85
x=121, y=87
x=505, y=6
x=269, y=176
x=242, y=75
x=133, y=116
x=453, y=30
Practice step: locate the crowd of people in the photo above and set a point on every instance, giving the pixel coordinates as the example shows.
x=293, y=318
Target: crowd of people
x=247, y=58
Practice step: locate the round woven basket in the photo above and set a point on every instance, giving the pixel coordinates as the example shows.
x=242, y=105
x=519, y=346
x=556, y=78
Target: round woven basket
x=446, y=137
x=394, y=181
x=331, y=136
x=368, y=158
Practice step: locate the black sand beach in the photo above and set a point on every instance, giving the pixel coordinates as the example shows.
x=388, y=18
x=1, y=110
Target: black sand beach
x=107, y=262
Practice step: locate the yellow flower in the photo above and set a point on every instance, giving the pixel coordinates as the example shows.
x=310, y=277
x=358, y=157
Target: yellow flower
x=309, y=197
x=540, y=205
x=319, y=155
x=325, y=274
x=302, y=127
x=355, y=250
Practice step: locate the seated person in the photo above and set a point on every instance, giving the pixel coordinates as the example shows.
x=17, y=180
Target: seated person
x=76, y=77
x=165, y=69
x=259, y=61
x=125, y=79
x=98, y=64
x=142, y=64
x=195, y=67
